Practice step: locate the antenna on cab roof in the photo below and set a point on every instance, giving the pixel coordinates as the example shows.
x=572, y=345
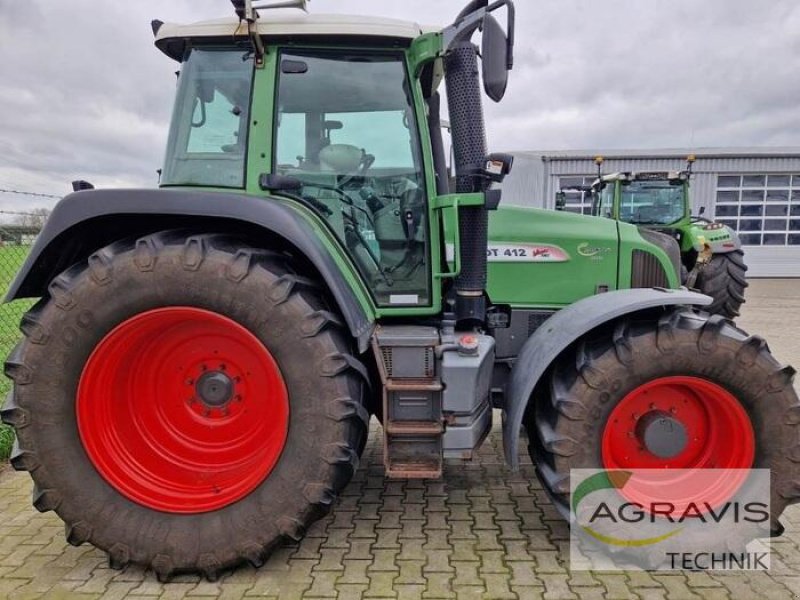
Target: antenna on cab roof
x=599, y=160
x=301, y=4
x=247, y=11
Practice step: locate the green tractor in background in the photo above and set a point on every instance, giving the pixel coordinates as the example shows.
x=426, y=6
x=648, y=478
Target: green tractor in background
x=196, y=382
x=712, y=258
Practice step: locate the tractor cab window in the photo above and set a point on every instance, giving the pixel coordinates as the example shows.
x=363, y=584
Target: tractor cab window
x=651, y=203
x=604, y=201
x=208, y=140
x=346, y=129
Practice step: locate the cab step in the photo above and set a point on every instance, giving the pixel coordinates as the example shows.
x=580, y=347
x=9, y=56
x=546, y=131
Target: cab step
x=412, y=428
x=412, y=402
x=416, y=470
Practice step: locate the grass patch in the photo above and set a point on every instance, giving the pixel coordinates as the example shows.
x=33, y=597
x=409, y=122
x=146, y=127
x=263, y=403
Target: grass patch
x=6, y=441
x=11, y=259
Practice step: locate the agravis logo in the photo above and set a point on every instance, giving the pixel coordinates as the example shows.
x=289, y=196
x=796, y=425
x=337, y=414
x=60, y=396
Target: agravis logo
x=610, y=480
x=665, y=518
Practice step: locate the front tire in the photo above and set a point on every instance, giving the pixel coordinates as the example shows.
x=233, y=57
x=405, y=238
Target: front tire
x=185, y=403
x=725, y=280
x=732, y=383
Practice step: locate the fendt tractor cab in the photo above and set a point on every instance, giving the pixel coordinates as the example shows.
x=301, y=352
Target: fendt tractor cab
x=196, y=382
x=712, y=258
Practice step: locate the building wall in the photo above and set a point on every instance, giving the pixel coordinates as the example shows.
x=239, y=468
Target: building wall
x=525, y=185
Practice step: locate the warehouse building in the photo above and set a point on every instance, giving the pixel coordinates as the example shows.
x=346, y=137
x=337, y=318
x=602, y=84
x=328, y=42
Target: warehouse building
x=754, y=190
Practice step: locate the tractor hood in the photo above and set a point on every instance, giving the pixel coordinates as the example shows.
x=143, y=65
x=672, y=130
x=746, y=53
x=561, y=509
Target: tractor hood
x=549, y=258
x=546, y=257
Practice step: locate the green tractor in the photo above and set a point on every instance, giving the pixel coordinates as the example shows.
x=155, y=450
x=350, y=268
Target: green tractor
x=712, y=258
x=195, y=385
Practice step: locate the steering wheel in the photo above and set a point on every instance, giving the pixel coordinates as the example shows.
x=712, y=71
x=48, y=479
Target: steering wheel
x=364, y=164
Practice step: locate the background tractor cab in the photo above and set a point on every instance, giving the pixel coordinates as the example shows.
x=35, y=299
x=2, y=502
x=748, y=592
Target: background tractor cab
x=712, y=258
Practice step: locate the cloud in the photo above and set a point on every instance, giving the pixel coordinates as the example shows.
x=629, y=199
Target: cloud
x=85, y=94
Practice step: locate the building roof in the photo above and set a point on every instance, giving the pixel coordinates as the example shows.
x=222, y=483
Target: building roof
x=653, y=153
x=170, y=36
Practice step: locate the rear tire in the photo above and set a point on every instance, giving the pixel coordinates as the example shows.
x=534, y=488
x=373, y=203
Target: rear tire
x=256, y=289
x=724, y=279
x=568, y=420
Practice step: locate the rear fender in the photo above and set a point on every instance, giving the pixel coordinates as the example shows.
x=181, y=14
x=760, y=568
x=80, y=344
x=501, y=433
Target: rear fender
x=86, y=221
x=561, y=331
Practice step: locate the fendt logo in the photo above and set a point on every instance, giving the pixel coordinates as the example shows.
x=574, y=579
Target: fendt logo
x=659, y=519
x=595, y=252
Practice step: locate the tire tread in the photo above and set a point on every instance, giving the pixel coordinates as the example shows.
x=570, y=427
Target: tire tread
x=318, y=323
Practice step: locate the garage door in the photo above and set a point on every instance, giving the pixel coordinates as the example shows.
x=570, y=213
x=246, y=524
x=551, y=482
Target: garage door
x=765, y=210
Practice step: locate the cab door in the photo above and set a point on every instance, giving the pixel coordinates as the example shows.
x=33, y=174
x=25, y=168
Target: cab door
x=347, y=130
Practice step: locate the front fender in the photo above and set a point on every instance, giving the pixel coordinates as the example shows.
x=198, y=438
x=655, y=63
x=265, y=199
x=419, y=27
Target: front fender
x=721, y=241
x=86, y=221
x=562, y=330
x=728, y=244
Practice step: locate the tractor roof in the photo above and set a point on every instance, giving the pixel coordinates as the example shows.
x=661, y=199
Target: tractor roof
x=611, y=177
x=171, y=38
x=671, y=176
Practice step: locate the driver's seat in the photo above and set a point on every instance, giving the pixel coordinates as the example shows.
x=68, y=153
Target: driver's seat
x=341, y=158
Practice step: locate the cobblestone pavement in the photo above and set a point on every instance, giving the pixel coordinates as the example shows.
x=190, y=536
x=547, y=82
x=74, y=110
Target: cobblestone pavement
x=482, y=532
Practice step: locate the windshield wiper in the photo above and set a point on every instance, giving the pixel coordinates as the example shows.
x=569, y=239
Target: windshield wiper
x=365, y=244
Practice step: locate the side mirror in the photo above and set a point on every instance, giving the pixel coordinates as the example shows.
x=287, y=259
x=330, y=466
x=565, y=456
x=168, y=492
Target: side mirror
x=496, y=59
x=561, y=201
x=498, y=46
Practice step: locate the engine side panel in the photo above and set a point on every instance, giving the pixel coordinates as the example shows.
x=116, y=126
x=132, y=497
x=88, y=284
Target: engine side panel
x=550, y=259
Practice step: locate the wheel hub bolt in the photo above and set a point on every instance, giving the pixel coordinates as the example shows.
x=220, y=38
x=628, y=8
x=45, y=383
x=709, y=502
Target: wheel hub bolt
x=214, y=389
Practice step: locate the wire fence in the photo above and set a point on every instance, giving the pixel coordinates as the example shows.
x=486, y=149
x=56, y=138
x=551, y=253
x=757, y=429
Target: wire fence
x=13, y=253
x=18, y=231
x=12, y=256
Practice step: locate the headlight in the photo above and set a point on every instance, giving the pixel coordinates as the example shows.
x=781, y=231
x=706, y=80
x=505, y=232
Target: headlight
x=714, y=227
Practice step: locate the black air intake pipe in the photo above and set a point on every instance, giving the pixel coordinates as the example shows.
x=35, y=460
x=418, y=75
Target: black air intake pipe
x=469, y=143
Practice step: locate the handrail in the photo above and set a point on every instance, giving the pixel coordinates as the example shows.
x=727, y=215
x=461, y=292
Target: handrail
x=457, y=244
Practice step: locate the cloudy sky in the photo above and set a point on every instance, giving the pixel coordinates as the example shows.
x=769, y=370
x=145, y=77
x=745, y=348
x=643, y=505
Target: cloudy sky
x=84, y=94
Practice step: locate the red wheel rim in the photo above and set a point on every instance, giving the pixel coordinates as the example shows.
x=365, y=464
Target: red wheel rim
x=718, y=435
x=182, y=410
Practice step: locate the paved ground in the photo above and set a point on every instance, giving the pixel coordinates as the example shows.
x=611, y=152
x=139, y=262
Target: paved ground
x=481, y=533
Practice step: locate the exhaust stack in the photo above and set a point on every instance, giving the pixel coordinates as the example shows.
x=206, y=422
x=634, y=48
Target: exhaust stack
x=475, y=171
x=469, y=143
